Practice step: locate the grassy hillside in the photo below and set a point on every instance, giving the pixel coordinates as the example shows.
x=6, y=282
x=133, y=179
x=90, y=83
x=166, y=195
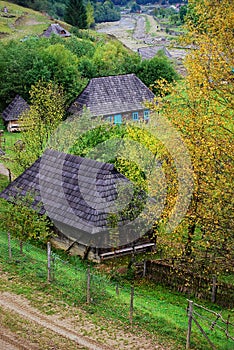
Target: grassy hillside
x=19, y=21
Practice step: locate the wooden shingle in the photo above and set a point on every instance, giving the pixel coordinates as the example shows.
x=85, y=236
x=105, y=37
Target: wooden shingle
x=76, y=178
x=112, y=95
x=13, y=111
x=56, y=29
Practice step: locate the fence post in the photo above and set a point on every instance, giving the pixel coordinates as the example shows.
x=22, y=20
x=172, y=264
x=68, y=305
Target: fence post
x=117, y=289
x=144, y=269
x=214, y=289
x=48, y=262
x=131, y=305
x=9, y=244
x=88, y=285
x=190, y=318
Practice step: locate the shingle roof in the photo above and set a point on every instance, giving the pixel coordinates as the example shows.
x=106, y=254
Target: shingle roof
x=13, y=111
x=73, y=190
x=55, y=28
x=151, y=51
x=113, y=95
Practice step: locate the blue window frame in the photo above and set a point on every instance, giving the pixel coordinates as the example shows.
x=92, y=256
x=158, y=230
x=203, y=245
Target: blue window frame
x=146, y=114
x=109, y=119
x=135, y=116
x=118, y=119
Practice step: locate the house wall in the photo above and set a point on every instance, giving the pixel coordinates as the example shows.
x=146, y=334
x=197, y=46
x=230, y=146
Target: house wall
x=127, y=116
x=10, y=123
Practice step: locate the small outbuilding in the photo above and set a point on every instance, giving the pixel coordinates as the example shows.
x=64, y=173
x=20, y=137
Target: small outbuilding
x=56, y=29
x=12, y=113
x=115, y=98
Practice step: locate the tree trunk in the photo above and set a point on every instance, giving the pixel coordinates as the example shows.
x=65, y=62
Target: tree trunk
x=188, y=246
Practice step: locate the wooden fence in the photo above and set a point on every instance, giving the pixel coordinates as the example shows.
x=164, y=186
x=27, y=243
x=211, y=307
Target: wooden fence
x=206, y=319
x=192, y=284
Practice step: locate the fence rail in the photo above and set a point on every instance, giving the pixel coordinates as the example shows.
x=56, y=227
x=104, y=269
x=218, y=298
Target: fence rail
x=192, y=284
x=208, y=320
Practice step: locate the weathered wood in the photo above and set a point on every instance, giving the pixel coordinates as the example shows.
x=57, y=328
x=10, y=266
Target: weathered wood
x=9, y=245
x=48, y=262
x=117, y=289
x=88, y=285
x=131, y=305
x=144, y=269
x=190, y=318
x=204, y=333
x=214, y=290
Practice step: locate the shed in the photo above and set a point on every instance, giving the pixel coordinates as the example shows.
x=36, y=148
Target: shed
x=116, y=98
x=56, y=29
x=77, y=194
x=13, y=111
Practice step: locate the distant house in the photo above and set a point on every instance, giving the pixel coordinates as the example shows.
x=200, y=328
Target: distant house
x=149, y=52
x=12, y=113
x=75, y=193
x=116, y=98
x=56, y=29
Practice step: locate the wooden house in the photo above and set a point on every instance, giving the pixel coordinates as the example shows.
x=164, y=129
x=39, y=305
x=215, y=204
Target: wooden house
x=115, y=98
x=76, y=193
x=12, y=113
x=56, y=29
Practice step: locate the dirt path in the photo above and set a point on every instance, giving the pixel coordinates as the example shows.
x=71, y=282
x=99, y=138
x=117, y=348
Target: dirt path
x=9, y=341
x=22, y=308
x=78, y=329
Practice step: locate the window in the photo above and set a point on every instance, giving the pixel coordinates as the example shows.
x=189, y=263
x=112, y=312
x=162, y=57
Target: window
x=109, y=119
x=118, y=119
x=146, y=115
x=135, y=115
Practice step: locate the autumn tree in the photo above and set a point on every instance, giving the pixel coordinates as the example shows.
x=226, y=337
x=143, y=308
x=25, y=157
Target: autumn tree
x=38, y=123
x=202, y=109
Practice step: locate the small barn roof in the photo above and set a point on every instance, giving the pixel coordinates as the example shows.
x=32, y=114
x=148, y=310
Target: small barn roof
x=149, y=52
x=57, y=29
x=113, y=95
x=13, y=111
x=74, y=191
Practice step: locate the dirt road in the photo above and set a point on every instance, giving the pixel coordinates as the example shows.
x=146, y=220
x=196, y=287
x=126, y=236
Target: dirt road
x=22, y=308
x=78, y=330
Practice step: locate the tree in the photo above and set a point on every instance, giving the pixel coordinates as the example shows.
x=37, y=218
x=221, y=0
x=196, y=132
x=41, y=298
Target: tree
x=158, y=67
x=202, y=109
x=22, y=219
x=183, y=12
x=59, y=64
x=75, y=14
x=37, y=124
x=90, y=15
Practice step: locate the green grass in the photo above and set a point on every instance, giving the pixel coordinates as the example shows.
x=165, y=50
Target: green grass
x=156, y=309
